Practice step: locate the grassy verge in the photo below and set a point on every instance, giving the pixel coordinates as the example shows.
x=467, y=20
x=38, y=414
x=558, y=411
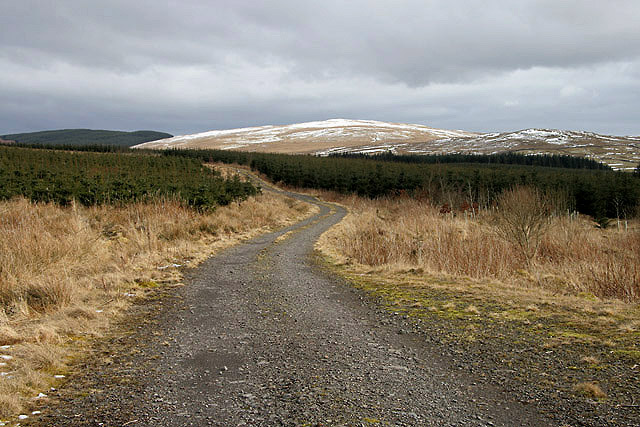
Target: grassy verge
x=67, y=273
x=547, y=330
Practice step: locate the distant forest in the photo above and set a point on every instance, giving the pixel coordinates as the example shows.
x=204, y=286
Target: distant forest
x=86, y=137
x=583, y=186
x=576, y=184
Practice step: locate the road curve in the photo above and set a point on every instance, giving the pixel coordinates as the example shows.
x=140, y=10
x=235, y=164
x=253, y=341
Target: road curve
x=262, y=336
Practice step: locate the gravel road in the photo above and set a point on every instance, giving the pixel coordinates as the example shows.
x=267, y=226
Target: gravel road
x=263, y=336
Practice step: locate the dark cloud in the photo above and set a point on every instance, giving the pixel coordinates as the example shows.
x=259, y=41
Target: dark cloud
x=185, y=66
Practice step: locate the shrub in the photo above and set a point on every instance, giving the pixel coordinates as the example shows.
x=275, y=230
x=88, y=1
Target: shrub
x=522, y=218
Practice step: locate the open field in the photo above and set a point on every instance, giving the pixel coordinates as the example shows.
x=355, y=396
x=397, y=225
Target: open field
x=68, y=272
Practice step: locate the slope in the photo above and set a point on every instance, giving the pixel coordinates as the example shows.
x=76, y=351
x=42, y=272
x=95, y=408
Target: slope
x=368, y=136
x=85, y=137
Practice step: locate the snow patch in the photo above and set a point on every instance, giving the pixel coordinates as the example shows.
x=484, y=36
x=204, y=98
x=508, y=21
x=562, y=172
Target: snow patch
x=164, y=267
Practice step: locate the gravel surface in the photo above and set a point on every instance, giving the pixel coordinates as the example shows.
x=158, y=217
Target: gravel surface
x=260, y=335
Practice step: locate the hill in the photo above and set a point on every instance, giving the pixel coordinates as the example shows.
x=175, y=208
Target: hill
x=86, y=137
x=368, y=136
x=619, y=152
x=311, y=137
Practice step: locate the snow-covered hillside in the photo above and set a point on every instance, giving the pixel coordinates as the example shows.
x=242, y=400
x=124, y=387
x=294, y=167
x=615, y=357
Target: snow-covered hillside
x=619, y=152
x=307, y=137
x=369, y=136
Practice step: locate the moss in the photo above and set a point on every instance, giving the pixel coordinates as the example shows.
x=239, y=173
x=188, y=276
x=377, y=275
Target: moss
x=588, y=296
x=517, y=314
x=576, y=336
x=596, y=367
x=147, y=284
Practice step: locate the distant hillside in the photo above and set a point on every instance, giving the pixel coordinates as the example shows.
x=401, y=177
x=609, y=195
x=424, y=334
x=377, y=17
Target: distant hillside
x=370, y=137
x=86, y=137
x=311, y=137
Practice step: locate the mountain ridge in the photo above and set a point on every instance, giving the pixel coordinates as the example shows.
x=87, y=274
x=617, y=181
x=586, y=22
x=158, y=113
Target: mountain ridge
x=371, y=136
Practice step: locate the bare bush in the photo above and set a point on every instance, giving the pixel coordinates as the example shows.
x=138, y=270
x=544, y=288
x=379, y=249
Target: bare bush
x=522, y=218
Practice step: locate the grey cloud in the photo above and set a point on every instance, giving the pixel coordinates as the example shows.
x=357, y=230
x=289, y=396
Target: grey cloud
x=415, y=42
x=184, y=66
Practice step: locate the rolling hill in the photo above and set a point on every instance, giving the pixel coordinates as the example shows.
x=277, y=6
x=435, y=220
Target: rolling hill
x=310, y=137
x=368, y=136
x=85, y=137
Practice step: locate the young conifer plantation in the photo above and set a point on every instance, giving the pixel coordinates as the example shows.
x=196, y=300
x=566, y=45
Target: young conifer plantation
x=113, y=178
x=585, y=186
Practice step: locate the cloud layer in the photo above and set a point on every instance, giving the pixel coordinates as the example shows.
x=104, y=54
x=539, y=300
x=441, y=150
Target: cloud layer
x=188, y=66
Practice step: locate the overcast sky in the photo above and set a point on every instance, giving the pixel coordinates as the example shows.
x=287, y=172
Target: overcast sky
x=186, y=66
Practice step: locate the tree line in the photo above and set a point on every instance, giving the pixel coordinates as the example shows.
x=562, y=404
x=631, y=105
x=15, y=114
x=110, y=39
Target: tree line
x=546, y=160
x=579, y=184
x=598, y=191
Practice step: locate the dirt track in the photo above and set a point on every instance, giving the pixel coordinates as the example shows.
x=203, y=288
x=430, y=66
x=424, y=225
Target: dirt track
x=262, y=336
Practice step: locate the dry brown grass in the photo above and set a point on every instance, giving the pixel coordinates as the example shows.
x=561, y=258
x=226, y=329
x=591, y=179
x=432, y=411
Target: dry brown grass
x=66, y=273
x=573, y=257
x=589, y=389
